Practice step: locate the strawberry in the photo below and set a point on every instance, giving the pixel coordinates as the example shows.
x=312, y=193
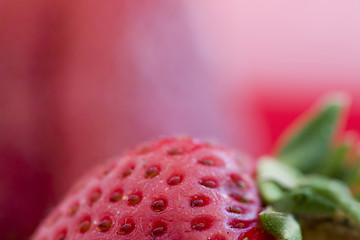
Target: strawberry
x=174, y=188
x=181, y=188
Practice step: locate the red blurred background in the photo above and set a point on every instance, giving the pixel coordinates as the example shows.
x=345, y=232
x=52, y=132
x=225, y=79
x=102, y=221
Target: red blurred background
x=81, y=81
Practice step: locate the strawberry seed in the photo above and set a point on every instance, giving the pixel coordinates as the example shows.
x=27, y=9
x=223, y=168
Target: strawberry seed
x=127, y=228
x=134, y=199
x=85, y=225
x=116, y=196
x=208, y=183
x=152, y=172
x=158, y=205
x=104, y=225
x=175, y=180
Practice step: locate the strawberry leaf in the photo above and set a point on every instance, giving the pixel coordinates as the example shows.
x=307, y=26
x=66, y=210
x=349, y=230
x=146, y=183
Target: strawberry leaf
x=271, y=170
x=312, y=197
x=305, y=201
x=334, y=164
x=309, y=145
x=282, y=226
x=334, y=191
x=270, y=191
x=314, y=176
x=275, y=179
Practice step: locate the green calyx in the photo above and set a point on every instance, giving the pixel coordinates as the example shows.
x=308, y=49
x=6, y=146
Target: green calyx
x=282, y=226
x=307, y=147
x=312, y=179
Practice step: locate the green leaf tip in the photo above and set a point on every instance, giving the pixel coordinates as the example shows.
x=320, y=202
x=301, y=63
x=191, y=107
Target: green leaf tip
x=282, y=226
x=308, y=143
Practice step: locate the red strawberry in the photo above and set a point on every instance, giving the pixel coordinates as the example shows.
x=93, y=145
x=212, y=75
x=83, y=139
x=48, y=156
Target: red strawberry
x=175, y=188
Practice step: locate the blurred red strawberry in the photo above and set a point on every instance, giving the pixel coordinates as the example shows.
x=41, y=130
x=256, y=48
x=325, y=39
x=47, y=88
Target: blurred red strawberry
x=81, y=81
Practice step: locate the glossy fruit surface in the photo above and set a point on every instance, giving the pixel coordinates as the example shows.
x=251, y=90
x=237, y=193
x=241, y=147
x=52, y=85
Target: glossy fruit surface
x=174, y=188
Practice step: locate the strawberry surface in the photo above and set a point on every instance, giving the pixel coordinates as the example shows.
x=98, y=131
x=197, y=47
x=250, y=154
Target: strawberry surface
x=174, y=188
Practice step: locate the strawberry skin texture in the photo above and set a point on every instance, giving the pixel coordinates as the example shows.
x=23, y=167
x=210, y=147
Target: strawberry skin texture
x=173, y=188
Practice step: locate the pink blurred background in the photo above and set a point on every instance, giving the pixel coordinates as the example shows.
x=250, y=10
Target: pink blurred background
x=81, y=81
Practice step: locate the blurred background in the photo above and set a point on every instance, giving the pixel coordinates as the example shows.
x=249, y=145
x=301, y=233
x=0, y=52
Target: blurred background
x=82, y=81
